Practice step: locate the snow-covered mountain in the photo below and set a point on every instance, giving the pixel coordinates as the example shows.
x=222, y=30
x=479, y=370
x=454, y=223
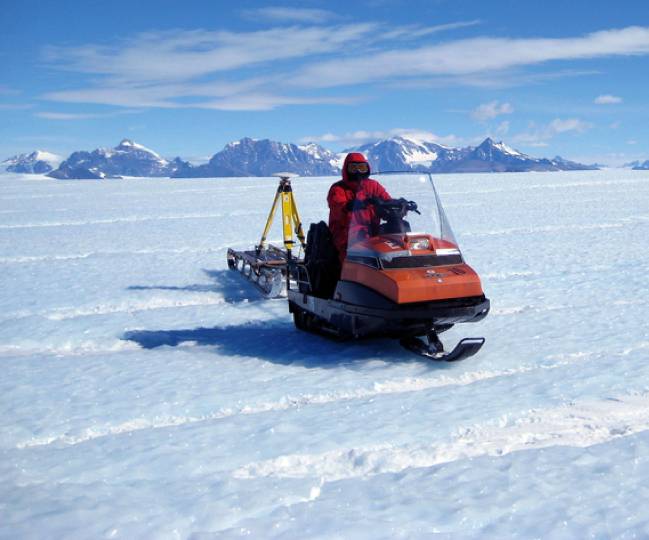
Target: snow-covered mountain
x=491, y=156
x=322, y=154
x=251, y=157
x=567, y=165
x=637, y=165
x=263, y=157
x=405, y=153
x=38, y=162
x=128, y=158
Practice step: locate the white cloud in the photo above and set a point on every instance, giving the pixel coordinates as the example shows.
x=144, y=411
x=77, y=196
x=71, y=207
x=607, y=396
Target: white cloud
x=415, y=32
x=538, y=136
x=489, y=111
x=491, y=80
x=503, y=128
x=607, y=99
x=291, y=14
x=198, y=68
x=474, y=56
x=173, y=69
x=15, y=106
x=266, y=102
x=47, y=115
x=187, y=54
x=64, y=116
x=570, y=124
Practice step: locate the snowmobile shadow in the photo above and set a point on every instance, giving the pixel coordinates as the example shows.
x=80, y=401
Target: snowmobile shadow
x=226, y=282
x=278, y=343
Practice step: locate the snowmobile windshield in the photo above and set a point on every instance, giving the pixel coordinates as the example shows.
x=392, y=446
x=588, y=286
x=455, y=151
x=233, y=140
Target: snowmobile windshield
x=401, y=223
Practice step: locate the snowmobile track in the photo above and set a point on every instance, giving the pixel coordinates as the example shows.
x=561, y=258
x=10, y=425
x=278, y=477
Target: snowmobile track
x=577, y=424
x=289, y=402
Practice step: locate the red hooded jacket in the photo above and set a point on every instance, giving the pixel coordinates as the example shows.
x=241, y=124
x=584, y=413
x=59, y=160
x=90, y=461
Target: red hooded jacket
x=340, y=217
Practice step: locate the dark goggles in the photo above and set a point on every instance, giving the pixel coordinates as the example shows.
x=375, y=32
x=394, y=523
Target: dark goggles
x=358, y=167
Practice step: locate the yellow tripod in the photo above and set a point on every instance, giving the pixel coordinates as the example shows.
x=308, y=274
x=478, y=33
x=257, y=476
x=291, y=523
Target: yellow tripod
x=290, y=217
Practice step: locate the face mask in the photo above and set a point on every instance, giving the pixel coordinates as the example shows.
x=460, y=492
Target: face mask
x=357, y=176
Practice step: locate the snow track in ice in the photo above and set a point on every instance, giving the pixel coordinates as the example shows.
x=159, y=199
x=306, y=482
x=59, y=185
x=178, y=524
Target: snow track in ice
x=70, y=348
x=560, y=186
x=632, y=220
x=130, y=306
x=126, y=306
x=504, y=276
x=577, y=424
x=112, y=221
x=34, y=197
x=299, y=401
x=21, y=259
x=531, y=308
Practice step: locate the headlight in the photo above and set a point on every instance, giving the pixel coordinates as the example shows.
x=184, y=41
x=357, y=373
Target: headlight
x=420, y=243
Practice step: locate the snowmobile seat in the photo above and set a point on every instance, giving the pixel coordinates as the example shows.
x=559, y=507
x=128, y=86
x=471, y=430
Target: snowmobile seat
x=321, y=261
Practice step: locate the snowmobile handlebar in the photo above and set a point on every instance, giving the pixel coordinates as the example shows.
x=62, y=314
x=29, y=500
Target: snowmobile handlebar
x=384, y=207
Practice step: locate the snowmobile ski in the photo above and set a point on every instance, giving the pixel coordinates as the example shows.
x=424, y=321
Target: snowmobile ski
x=466, y=348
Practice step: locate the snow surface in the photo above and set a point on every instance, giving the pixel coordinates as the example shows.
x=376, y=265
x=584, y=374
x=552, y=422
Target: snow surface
x=148, y=393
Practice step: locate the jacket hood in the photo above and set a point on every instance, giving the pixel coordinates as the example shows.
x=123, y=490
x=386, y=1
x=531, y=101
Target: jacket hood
x=356, y=157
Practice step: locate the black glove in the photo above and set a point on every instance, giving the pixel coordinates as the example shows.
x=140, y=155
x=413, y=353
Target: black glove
x=355, y=204
x=412, y=207
x=407, y=206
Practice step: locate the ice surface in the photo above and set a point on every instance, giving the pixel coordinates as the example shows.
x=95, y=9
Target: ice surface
x=148, y=393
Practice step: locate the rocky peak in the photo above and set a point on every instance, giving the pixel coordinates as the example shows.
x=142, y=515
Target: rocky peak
x=36, y=162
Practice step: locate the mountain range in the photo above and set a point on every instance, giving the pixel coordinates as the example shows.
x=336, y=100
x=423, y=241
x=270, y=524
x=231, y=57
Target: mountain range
x=126, y=159
x=251, y=157
x=638, y=165
x=405, y=153
x=38, y=162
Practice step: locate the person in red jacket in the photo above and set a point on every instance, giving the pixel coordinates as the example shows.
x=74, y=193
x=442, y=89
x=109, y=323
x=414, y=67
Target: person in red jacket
x=350, y=213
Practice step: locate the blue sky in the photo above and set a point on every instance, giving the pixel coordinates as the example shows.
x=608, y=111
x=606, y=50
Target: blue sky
x=185, y=78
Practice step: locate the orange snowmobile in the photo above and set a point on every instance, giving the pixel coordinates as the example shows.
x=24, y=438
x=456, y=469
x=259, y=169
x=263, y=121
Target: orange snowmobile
x=393, y=282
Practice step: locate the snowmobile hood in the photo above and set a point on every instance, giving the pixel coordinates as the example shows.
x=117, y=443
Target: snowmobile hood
x=355, y=157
